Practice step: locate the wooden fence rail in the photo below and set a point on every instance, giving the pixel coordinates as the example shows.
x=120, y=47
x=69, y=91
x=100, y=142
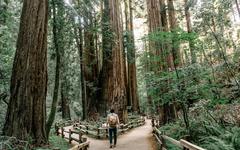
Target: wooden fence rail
x=68, y=134
x=182, y=144
x=102, y=132
x=98, y=132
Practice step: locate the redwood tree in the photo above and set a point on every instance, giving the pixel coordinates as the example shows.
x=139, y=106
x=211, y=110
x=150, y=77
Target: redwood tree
x=131, y=58
x=26, y=114
x=189, y=29
x=112, y=77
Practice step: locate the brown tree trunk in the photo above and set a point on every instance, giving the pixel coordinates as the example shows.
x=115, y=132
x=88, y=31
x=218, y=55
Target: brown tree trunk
x=57, y=39
x=114, y=88
x=65, y=86
x=131, y=61
x=189, y=30
x=155, y=25
x=173, y=26
x=158, y=22
x=107, y=67
x=166, y=45
x=65, y=101
x=91, y=70
x=79, y=40
x=26, y=112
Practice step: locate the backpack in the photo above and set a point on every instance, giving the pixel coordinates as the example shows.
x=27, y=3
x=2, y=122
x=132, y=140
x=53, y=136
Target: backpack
x=112, y=120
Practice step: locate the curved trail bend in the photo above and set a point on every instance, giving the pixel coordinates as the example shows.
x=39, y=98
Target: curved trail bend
x=139, y=138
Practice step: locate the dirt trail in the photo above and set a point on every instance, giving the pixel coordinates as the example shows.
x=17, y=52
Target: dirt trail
x=137, y=139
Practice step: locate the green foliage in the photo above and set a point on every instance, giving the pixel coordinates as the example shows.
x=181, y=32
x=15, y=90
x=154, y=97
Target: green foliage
x=8, y=37
x=56, y=142
x=205, y=132
x=11, y=143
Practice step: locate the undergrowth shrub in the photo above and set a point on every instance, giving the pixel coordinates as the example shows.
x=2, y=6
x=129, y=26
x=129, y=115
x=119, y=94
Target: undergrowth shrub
x=205, y=132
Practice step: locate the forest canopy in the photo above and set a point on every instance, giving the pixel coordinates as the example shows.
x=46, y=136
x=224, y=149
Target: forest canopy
x=174, y=60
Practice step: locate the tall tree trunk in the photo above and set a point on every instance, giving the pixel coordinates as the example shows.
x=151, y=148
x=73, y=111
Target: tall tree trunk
x=26, y=112
x=189, y=29
x=131, y=61
x=65, y=102
x=114, y=88
x=91, y=70
x=125, y=52
x=155, y=25
x=79, y=40
x=166, y=44
x=58, y=43
x=173, y=26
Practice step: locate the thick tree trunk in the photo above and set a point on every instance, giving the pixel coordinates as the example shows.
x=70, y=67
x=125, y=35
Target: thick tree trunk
x=114, y=88
x=166, y=44
x=65, y=102
x=173, y=26
x=65, y=86
x=79, y=40
x=162, y=49
x=57, y=34
x=107, y=67
x=78, y=31
x=131, y=61
x=155, y=25
x=189, y=29
x=26, y=112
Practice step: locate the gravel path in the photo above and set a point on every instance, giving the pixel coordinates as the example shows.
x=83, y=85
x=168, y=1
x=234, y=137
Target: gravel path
x=139, y=138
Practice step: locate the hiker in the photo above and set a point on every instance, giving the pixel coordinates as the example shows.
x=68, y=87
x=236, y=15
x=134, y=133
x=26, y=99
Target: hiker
x=112, y=123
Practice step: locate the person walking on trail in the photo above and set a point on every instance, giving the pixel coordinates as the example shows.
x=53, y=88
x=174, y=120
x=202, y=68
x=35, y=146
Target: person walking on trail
x=112, y=123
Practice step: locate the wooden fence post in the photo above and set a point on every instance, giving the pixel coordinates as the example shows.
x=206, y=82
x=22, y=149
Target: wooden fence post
x=70, y=134
x=106, y=133
x=80, y=137
x=62, y=130
x=98, y=133
x=56, y=129
x=163, y=145
x=86, y=129
x=153, y=123
x=122, y=127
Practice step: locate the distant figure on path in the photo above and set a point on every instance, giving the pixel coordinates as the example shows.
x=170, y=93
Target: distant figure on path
x=112, y=123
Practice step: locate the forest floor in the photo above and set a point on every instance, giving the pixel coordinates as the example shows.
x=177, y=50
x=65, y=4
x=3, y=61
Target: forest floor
x=139, y=138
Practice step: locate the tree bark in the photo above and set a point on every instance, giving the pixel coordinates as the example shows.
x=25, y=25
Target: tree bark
x=155, y=25
x=65, y=102
x=189, y=30
x=114, y=88
x=57, y=35
x=26, y=112
x=131, y=58
x=168, y=58
x=173, y=26
x=79, y=40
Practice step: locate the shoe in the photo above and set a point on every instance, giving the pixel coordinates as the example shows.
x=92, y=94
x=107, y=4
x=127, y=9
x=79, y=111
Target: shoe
x=111, y=146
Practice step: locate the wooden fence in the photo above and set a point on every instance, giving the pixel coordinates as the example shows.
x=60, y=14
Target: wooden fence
x=161, y=139
x=80, y=128
x=102, y=132
x=83, y=144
